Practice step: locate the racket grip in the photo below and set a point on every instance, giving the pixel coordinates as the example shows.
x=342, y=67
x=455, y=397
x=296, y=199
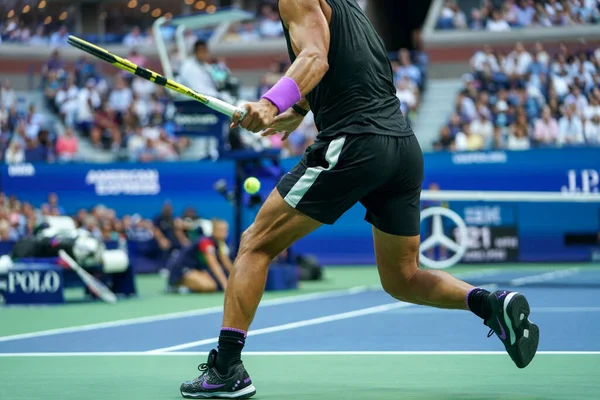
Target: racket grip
x=225, y=108
x=242, y=112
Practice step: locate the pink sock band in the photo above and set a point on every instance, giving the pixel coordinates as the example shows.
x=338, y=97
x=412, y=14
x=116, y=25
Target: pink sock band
x=284, y=94
x=235, y=330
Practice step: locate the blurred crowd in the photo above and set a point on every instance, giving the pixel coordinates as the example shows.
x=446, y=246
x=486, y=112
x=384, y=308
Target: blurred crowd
x=504, y=15
x=27, y=135
x=126, y=113
x=35, y=29
x=132, y=118
x=155, y=237
x=527, y=98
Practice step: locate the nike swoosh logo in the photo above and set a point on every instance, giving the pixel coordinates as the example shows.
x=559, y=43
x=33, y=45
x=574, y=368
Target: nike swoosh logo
x=208, y=386
x=501, y=335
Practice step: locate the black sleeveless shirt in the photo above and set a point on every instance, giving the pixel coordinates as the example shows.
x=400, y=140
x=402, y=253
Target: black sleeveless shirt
x=357, y=95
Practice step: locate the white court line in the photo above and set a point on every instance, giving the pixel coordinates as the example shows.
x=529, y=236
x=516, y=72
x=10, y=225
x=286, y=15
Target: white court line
x=204, y=311
x=545, y=310
x=185, y=314
x=538, y=278
x=293, y=325
x=292, y=353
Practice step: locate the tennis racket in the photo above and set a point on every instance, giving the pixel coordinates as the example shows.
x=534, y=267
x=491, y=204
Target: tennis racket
x=126, y=65
x=95, y=286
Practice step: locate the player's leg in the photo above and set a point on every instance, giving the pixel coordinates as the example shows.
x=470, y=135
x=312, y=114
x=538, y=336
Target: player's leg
x=393, y=210
x=398, y=265
x=317, y=191
x=199, y=281
x=301, y=202
x=275, y=228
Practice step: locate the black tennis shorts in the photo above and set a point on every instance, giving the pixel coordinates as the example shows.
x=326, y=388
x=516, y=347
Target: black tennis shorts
x=384, y=173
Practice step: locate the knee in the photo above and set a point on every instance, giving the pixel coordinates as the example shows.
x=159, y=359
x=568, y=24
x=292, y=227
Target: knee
x=254, y=242
x=400, y=286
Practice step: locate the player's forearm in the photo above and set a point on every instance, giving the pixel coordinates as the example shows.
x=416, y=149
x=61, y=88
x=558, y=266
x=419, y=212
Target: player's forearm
x=308, y=70
x=302, y=77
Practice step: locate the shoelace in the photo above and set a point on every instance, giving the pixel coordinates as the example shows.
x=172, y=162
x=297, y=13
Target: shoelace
x=491, y=333
x=203, y=368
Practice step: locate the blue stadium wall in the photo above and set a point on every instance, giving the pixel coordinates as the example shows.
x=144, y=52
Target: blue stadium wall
x=539, y=228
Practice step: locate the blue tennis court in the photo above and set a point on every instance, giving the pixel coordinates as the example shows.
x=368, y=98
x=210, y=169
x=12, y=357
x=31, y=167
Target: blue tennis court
x=359, y=321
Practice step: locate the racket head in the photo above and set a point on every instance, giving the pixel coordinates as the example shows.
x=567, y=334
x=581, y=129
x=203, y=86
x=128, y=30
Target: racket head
x=91, y=49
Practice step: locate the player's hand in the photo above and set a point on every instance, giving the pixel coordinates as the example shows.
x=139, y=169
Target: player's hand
x=285, y=123
x=259, y=116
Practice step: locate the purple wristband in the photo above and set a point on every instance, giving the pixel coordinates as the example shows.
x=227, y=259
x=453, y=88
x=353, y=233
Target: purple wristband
x=284, y=94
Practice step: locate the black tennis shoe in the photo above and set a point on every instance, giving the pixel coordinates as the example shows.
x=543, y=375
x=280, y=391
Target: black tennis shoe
x=212, y=385
x=510, y=322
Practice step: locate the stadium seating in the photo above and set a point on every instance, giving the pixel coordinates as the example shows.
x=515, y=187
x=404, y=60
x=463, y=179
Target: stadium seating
x=527, y=98
x=506, y=15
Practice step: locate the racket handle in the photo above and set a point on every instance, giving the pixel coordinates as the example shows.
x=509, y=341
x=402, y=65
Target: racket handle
x=226, y=108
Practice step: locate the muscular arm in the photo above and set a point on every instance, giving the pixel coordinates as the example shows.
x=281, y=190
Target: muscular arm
x=309, y=34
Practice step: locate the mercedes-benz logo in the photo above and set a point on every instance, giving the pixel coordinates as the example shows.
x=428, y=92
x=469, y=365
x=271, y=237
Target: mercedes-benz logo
x=438, y=238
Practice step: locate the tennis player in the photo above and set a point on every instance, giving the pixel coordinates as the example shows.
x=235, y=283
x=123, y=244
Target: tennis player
x=365, y=152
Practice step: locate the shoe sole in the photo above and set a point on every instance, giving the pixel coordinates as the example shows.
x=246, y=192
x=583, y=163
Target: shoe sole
x=524, y=335
x=244, y=393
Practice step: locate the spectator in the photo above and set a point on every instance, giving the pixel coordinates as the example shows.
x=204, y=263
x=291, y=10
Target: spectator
x=66, y=100
x=406, y=95
x=407, y=69
x=67, y=146
x=195, y=71
x=525, y=13
x=134, y=38
x=484, y=128
x=39, y=39
x=592, y=109
x=497, y=23
x=105, y=132
x=592, y=130
x=466, y=141
x=570, y=128
x=445, y=142
x=59, y=38
x=8, y=98
x=121, y=97
x=546, y=128
x=53, y=206
x=168, y=229
x=35, y=152
x=270, y=23
x=87, y=103
x=249, y=33
x=518, y=139
x=14, y=154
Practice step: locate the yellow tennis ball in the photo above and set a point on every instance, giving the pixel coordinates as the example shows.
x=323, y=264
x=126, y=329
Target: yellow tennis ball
x=251, y=185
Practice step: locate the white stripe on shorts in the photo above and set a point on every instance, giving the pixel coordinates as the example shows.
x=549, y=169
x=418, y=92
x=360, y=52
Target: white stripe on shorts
x=312, y=173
